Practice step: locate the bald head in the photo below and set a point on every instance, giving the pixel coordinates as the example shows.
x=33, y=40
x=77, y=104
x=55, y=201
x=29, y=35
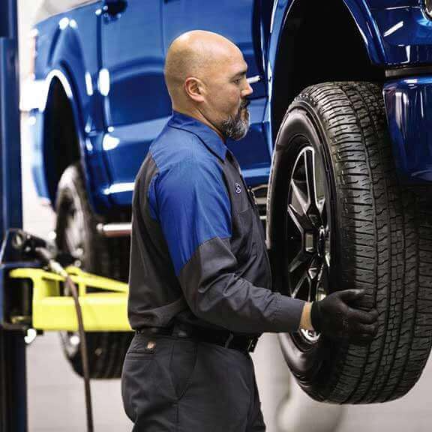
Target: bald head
x=197, y=53
x=206, y=78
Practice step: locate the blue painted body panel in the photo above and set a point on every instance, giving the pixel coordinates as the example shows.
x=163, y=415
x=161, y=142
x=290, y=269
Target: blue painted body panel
x=69, y=45
x=406, y=35
x=114, y=68
x=409, y=112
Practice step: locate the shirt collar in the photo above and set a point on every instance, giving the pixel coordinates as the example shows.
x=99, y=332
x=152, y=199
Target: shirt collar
x=207, y=135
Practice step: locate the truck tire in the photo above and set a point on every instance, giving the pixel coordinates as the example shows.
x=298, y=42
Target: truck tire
x=338, y=218
x=76, y=233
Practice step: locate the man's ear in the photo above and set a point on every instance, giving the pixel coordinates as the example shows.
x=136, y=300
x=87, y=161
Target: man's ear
x=194, y=89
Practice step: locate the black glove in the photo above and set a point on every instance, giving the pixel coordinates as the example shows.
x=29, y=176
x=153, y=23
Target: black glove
x=334, y=318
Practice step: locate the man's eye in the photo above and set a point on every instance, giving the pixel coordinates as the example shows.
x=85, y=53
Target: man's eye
x=237, y=81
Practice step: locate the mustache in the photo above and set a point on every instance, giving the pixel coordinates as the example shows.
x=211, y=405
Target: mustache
x=245, y=103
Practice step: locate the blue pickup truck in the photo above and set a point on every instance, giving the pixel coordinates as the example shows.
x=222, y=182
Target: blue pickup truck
x=338, y=156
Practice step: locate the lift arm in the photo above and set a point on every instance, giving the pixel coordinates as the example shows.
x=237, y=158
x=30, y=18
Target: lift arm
x=36, y=297
x=103, y=301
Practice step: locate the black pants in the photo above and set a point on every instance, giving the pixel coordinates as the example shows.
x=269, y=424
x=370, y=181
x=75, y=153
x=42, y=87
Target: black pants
x=178, y=384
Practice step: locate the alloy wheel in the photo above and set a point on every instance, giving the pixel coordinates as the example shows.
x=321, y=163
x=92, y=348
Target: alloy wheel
x=307, y=232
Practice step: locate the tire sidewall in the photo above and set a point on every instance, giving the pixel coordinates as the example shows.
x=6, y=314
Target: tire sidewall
x=69, y=194
x=70, y=190
x=300, y=121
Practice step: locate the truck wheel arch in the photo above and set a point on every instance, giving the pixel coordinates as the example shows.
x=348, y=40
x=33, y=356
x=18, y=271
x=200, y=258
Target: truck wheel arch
x=60, y=105
x=293, y=58
x=65, y=84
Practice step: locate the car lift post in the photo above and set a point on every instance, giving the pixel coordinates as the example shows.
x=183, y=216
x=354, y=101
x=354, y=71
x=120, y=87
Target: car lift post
x=13, y=387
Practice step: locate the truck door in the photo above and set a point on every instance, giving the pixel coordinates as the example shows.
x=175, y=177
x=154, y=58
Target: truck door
x=238, y=21
x=136, y=102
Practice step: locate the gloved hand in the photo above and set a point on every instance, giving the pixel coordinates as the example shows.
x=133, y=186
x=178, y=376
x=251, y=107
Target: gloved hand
x=334, y=318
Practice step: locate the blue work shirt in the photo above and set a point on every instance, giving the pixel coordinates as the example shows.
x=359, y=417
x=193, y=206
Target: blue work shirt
x=198, y=252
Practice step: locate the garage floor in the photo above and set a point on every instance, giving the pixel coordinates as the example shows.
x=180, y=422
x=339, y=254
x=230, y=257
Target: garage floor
x=56, y=394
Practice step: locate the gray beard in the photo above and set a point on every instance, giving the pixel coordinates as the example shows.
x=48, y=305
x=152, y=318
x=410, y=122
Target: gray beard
x=236, y=127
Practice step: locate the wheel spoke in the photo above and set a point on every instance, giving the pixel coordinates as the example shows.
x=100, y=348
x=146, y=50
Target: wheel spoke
x=309, y=161
x=323, y=281
x=299, y=220
x=299, y=259
x=299, y=199
x=299, y=284
x=314, y=268
x=315, y=180
x=320, y=182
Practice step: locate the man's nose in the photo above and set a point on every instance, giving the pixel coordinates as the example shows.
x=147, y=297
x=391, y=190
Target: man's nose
x=248, y=90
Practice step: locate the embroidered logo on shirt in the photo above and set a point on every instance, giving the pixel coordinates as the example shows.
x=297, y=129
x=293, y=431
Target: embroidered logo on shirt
x=238, y=188
x=150, y=346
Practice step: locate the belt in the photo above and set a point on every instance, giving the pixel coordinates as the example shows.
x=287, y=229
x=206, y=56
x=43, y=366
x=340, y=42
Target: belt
x=225, y=339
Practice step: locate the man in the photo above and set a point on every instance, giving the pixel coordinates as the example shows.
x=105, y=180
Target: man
x=200, y=280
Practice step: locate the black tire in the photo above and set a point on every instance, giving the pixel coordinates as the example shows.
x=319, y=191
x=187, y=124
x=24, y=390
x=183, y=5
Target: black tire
x=370, y=233
x=95, y=254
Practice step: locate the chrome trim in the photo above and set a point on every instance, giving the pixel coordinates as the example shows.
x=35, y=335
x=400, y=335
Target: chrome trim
x=261, y=200
x=254, y=79
x=122, y=229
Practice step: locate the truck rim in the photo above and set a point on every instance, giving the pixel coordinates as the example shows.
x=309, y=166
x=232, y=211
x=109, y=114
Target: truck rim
x=308, y=233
